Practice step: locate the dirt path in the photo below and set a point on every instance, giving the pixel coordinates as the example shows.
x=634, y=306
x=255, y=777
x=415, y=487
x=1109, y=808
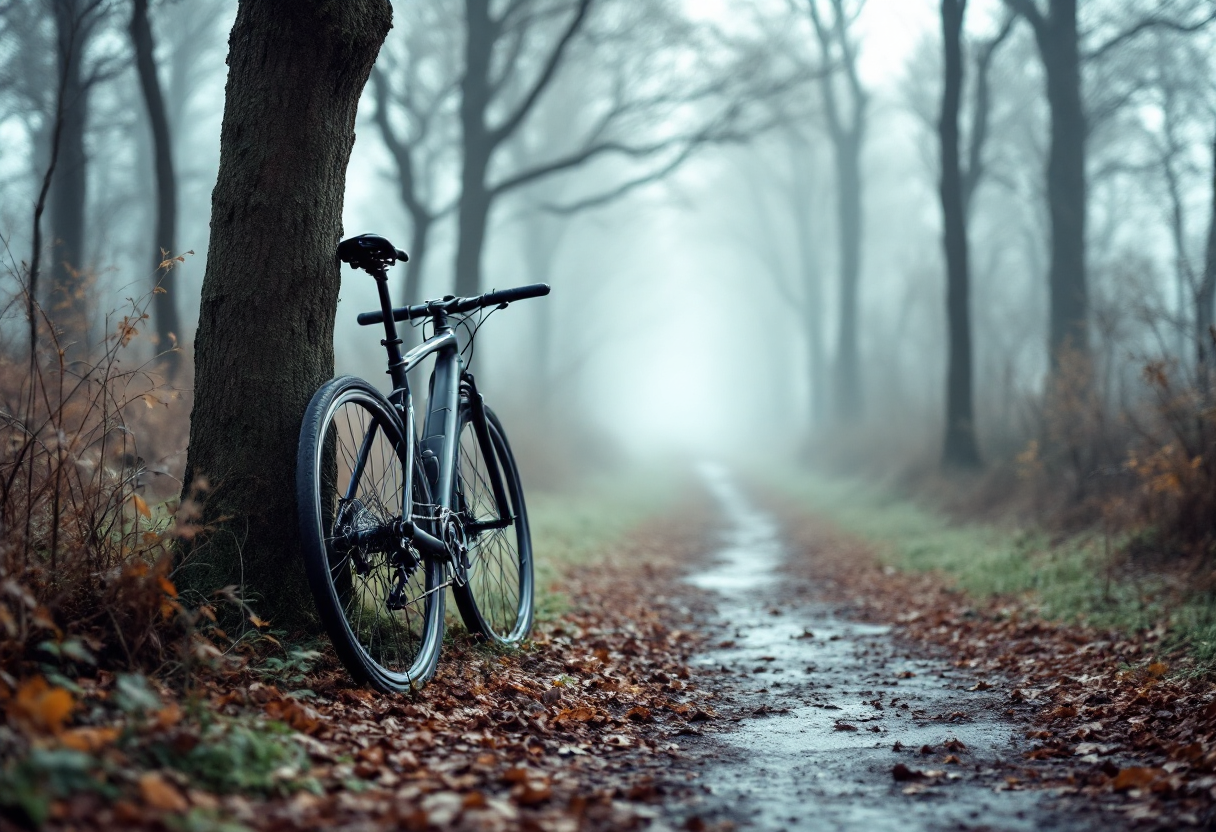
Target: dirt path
x=824, y=712
x=714, y=671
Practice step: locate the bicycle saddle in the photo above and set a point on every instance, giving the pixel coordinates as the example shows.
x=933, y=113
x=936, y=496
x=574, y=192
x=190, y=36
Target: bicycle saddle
x=370, y=252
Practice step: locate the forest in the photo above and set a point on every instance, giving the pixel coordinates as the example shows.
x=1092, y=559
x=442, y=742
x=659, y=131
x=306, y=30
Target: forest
x=903, y=310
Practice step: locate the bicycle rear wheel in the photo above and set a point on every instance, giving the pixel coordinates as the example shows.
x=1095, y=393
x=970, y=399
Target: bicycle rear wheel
x=380, y=601
x=497, y=600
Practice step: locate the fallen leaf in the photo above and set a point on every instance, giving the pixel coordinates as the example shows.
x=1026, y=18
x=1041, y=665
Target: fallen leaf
x=41, y=707
x=89, y=740
x=160, y=794
x=902, y=773
x=1136, y=777
x=530, y=794
x=300, y=717
x=140, y=506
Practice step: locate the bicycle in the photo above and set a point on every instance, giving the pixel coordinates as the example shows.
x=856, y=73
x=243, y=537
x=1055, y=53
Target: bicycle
x=390, y=520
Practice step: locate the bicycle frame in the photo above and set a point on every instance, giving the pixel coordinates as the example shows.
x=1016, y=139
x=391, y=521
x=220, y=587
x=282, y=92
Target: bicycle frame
x=440, y=434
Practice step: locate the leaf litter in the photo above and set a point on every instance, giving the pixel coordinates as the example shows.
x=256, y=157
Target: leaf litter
x=577, y=730
x=1108, y=720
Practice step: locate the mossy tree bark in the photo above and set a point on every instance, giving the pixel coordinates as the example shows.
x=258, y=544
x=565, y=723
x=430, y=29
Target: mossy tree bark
x=270, y=291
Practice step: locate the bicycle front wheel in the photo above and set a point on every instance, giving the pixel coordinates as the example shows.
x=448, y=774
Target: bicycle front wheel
x=496, y=602
x=380, y=601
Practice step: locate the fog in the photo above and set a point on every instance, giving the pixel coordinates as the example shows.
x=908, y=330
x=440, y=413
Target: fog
x=696, y=311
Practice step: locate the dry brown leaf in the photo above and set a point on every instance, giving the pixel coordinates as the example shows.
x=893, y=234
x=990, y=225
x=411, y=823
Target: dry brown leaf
x=89, y=740
x=160, y=794
x=141, y=506
x=300, y=717
x=1136, y=777
x=41, y=707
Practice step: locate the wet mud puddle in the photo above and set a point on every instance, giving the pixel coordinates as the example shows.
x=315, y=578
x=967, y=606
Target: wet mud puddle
x=821, y=702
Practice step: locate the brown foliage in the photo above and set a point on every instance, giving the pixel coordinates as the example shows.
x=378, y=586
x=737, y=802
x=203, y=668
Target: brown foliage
x=85, y=535
x=575, y=731
x=1174, y=463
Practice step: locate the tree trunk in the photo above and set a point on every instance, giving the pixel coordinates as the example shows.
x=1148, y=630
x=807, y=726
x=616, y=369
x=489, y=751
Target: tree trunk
x=474, y=193
x=848, y=358
x=411, y=282
x=164, y=309
x=959, y=449
x=542, y=238
x=812, y=287
x=69, y=281
x=420, y=241
x=812, y=325
x=1066, y=183
x=471, y=227
x=1206, y=296
x=270, y=291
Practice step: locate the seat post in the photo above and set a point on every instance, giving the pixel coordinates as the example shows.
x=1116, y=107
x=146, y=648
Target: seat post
x=392, y=341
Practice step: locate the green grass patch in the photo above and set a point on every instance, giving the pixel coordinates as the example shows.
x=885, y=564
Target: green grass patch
x=581, y=525
x=1081, y=578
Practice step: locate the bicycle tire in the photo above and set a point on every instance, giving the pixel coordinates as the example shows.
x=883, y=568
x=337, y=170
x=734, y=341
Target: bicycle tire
x=355, y=587
x=497, y=601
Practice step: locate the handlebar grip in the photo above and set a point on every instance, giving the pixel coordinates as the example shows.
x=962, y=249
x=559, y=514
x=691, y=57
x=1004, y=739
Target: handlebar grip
x=532, y=290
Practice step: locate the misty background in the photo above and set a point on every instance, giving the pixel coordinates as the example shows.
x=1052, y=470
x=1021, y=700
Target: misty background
x=695, y=258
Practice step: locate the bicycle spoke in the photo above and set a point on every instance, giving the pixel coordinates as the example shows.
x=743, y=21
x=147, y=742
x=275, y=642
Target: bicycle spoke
x=365, y=485
x=498, y=557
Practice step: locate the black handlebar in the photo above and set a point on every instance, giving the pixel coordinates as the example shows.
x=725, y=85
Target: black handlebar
x=455, y=306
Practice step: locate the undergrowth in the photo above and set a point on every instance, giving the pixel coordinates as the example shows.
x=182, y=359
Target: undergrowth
x=1086, y=577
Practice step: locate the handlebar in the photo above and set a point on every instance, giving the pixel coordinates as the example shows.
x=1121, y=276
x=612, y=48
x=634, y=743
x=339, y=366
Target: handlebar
x=451, y=305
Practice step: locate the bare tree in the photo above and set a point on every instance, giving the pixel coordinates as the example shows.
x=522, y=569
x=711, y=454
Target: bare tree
x=845, y=106
x=1205, y=296
x=1058, y=38
x=513, y=59
x=960, y=448
x=414, y=85
x=76, y=22
x=164, y=307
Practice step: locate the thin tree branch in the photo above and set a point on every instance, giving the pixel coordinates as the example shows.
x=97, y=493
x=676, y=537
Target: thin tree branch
x=499, y=134
x=981, y=111
x=1144, y=25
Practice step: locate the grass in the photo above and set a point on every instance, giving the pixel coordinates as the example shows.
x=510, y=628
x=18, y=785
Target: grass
x=581, y=525
x=1082, y=578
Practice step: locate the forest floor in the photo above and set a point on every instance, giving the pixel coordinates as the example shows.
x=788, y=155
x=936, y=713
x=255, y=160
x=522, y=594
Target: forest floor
x=737, y=663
